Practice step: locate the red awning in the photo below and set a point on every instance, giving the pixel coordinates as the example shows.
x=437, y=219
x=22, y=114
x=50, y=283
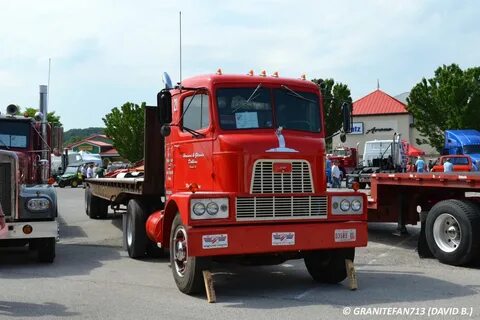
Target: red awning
x=414, y=152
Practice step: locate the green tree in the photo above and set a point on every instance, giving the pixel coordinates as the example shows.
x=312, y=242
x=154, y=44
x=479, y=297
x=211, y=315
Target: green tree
x=334, y=95
x=53, y=119
x=449, y=100
x=125, y=127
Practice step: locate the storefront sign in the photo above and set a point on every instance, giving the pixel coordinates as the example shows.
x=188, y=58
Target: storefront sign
x=375, y=129
x=357, y=128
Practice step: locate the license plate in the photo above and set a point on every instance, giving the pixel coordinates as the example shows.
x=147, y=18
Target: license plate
x=283, y=238
x=345, y=235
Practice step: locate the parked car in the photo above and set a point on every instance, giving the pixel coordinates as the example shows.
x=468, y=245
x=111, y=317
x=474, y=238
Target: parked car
x=461, y=163
x=72, y=175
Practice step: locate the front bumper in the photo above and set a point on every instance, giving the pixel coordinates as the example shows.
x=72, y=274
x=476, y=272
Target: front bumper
x=40, y=229
x=275, y=238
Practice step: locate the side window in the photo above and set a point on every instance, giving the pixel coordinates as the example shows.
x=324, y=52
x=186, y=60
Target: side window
x=197, y=115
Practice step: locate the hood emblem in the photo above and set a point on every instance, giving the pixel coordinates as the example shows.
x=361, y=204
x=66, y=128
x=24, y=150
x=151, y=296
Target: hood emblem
x=281, y=143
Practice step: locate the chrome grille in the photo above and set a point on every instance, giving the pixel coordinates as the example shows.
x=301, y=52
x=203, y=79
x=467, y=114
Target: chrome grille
x=265, y=180
x=278, y=208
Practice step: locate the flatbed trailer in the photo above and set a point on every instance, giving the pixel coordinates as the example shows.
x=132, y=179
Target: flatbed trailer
x=446, y=204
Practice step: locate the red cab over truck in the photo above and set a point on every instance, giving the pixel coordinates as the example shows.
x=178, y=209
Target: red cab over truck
x=234, y=170
x=28, y=203
x=347, y=158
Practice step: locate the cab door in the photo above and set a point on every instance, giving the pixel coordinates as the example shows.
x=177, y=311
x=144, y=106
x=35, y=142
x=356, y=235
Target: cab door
x=192, y=152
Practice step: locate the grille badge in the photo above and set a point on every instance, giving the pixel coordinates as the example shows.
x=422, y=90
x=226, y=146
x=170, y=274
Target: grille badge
x=282, y=167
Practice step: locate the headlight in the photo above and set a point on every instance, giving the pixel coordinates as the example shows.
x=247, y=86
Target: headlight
x=345, y=205
x=216, y=208
x=38, y=204
x=199, y=208
x=356, y=205
x=212, y=208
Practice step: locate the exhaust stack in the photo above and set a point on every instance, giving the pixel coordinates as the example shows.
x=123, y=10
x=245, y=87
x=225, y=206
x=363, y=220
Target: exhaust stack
x=44, y=160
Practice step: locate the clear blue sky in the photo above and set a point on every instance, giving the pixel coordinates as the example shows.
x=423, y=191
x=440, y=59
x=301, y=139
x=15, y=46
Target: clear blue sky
x=105, y=53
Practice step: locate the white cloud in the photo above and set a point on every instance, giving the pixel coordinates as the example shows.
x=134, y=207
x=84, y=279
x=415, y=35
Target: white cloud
x=107, y=52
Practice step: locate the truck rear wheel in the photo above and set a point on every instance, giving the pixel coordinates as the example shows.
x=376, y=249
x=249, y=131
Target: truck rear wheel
x=46, y=249
x=95, y=207
x=328, y=266
x=452, y=231
x=187, y=270
x=136, y=236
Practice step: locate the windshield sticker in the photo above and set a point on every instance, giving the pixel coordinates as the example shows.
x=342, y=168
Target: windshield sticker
x=246, y=120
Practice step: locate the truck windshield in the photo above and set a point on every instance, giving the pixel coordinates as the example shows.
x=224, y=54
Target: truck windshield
x=471, y=149
x=14, y=134
x=251, y=108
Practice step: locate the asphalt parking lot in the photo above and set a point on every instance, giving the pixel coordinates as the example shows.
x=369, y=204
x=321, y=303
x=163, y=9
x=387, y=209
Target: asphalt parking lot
x=93, y=278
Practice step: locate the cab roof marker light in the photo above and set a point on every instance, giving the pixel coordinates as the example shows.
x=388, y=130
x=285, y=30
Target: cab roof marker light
x=250, y=73
x=263, y=73
x=219, y=71
x=303, y=77
x=275, y=74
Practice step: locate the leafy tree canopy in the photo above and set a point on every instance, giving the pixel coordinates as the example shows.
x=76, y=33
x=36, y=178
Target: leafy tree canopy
x=449, y=100
x=334, y=95
x=53, y=119
x=125, y=127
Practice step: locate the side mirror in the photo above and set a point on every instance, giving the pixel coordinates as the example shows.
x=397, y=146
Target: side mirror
x=165, y=130
x=343, y=136
x=347, y=116
x=164, y=104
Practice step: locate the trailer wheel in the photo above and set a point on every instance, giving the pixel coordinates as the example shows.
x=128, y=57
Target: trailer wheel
x=88, y=200
x=136, y=236
x=452, y=231
x=187, y=270
x=328, y=266
x=46, y=249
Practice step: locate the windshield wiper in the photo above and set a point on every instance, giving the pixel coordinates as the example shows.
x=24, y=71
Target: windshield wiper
x=296, y=94
x=251, y=98
x=194, y=133
x=3, y=143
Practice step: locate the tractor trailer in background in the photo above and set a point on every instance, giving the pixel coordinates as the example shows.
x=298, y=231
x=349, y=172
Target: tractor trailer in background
x=28, y=201
x=462, y=142
x=235, y=171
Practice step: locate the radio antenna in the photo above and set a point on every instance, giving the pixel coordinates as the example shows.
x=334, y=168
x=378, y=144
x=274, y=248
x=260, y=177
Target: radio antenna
x=180, y=22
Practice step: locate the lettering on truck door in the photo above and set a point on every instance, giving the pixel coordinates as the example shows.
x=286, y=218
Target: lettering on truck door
x=192, y=154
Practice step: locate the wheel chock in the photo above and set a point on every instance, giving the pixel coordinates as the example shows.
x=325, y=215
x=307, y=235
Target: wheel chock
x=208, y=280
x=351, y=275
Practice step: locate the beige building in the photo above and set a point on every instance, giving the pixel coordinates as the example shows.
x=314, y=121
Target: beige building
x=378, y=116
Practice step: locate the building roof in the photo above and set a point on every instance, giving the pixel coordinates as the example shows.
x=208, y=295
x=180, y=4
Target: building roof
x=376, y=103
x=110, y=152
x=93, y=142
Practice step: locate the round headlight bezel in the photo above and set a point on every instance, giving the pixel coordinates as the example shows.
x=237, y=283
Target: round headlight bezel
x=356, y=205
x=212, y=208
x=199, y=209
x=345, y=205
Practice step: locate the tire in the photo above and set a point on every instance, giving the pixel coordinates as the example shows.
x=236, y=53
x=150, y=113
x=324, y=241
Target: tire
x=74, y=183
x=187, y=271
x=46, y=249
x=135, y=234
x=98, y=207
x=88, y=200
x=328, y=266
x=61, y=184
x=452, y=231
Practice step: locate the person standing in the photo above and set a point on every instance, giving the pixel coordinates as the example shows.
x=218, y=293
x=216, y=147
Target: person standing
x=336, y=175
x=420, y=164
x=90, y=171
x=447, y=166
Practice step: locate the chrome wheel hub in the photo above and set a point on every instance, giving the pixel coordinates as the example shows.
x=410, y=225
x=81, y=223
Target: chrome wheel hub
x=447, y=232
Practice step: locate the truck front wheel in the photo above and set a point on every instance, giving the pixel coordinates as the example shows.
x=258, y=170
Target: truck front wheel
x=46, y=249
x=452, y=231
x=328, y=266
x=187, y=271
